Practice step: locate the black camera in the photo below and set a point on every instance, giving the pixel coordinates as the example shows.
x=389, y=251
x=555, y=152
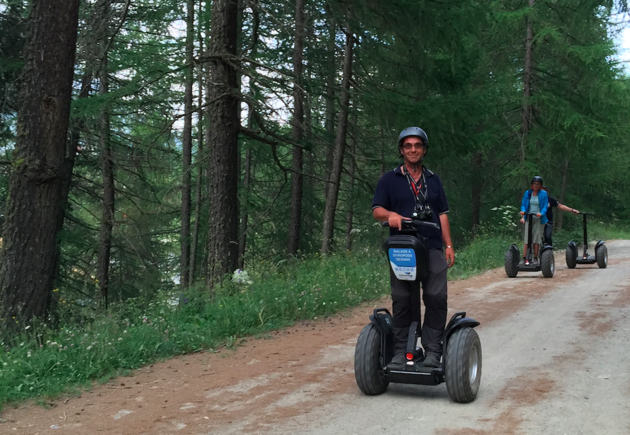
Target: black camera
x=422, y=212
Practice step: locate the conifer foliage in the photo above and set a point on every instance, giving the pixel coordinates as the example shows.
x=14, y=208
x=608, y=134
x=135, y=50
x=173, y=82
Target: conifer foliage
x=149, y=145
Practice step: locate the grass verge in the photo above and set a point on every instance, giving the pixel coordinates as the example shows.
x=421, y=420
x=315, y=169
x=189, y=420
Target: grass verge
x=46, y=362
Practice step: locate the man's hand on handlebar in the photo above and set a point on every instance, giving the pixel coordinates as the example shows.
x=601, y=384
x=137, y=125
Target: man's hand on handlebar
x=395, y=220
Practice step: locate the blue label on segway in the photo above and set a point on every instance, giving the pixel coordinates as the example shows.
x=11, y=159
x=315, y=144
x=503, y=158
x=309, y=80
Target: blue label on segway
x=403, y=263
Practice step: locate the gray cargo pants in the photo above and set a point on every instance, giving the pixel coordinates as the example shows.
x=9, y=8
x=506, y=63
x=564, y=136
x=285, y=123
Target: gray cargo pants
x=406, y=305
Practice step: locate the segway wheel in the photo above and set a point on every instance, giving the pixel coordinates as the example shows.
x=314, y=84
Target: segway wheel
x=463, y=365
x=547, y=263
x=511, y=263
x=571, y=255
x=367, y=370
x=601, y=255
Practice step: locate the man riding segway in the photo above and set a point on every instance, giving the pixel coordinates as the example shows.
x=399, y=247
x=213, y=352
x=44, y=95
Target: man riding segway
x=412, y=191
x=553, y=202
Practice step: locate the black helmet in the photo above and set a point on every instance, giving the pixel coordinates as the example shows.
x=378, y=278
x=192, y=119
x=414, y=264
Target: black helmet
x=413, y=131
x=537, y=179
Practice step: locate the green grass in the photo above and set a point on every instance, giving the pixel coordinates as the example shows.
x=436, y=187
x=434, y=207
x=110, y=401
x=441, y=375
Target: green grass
x=46, y=362
x=601, y=231
x=481, y=254
x=596, y=231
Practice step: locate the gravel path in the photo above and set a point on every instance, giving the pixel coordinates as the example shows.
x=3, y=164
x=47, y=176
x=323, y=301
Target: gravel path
x=555, y=361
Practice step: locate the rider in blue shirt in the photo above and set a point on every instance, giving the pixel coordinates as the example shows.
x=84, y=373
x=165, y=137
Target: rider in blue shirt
x=535, y=200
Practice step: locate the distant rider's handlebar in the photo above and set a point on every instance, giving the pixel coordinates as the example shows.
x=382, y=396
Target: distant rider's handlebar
x=412, y=223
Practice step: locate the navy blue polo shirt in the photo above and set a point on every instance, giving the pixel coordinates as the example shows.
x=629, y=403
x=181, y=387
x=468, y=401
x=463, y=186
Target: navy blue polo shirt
x=393, y=193
x=553, y=202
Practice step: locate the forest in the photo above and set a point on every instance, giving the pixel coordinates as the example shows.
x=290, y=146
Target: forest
x=152, y=149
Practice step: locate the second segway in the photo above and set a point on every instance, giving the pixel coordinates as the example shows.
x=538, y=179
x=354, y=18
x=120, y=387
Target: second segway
x=514, y=265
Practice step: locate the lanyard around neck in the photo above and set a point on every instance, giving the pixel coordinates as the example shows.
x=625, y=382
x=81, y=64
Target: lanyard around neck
x=418, y=188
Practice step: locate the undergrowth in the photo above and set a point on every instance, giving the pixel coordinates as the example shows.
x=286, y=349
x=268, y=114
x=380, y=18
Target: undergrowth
x=92, y=347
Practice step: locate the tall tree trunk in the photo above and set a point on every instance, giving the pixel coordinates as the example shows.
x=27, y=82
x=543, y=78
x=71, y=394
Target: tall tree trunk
x=309, y=163
x=329, y=122
x=247, y=169
x=247, y=166
x=27, y=267
x=340, y=145
x=242, y=241
x=382, y=143
x=187, y=148
x=475, y=182
x=71, y=153
x=107, y=168
x=528, y=79
x=199, y=160
x=222, y=139
x=297, y=177
x=563, y=192
x=351, y=196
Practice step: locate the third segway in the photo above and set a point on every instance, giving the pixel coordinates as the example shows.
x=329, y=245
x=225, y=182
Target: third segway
x=573, y=257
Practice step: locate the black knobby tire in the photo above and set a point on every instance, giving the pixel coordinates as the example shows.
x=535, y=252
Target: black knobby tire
x=367, y=369
x=601, y=255
x=463, y=365
x=511, y=263
x=571, y=256
x=547, y=263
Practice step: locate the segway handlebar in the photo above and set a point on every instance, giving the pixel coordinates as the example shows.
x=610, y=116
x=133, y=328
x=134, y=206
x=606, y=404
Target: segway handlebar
x=528, y=214
x=412, y=223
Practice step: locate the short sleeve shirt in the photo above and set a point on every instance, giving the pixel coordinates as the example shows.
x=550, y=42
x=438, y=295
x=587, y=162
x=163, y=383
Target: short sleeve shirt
x=553, y=202
x=394, y=193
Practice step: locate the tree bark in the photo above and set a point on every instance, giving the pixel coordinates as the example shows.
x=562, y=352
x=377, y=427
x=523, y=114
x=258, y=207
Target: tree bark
x=222, y=139
x=563, y=192
x=187, y=149
x=340, y=145
x=528, y=79
x=242, y=241
x=329, y=123
x=351, y=196
x=475, y=182
x=383, y=144
x=107, y=168
x=297, y=178
x=74, y=143
x=309, y=168
x=27, y=260
x=198, y=187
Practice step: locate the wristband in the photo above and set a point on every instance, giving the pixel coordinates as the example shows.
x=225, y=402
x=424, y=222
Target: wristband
x=448, y=247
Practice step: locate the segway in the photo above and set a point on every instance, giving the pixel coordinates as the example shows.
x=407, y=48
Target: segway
x=461, y=363
x=601, y=252
x=513, y=264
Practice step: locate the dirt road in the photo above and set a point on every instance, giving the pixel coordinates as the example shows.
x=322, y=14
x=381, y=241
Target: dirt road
x=555, y=361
